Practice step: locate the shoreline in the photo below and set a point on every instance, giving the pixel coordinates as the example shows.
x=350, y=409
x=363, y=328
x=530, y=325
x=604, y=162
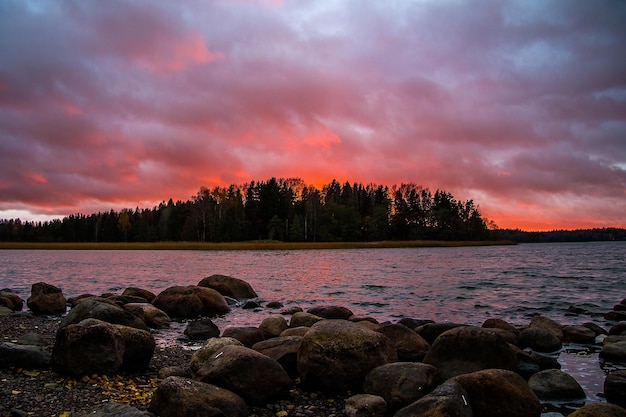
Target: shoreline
x=247, y=245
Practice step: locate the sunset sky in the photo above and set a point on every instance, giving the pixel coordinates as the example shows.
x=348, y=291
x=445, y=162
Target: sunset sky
x=518, y=105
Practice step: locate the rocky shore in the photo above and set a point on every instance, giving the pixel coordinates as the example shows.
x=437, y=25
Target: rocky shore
x=101, y=359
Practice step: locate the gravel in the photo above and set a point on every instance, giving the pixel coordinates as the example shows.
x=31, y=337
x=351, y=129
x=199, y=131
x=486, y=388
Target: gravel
x=46, y=393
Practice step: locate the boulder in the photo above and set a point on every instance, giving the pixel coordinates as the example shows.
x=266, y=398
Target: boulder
x=113, y=410
x=413, y=323
x=248, y=336
x=556, y=386
x=23, y=356
x=251, y=305
x=190, y=302
x=615, y=315
x=177, y=397
x=102, y=309
x=401, y=383
x=295, y=331
x=539, y=340
x=257, y=378
x=410, y=346
x=579, y=334
x=46, y=299
x=613, y=352
x=615, y=388
x=273, y=326
x=11, y=300
x=548, y=324
x=447, y=400
x=302, y=319
x=229, y=286
x=498, y=392
x=599, y=410
x=121, y=300
x=468, y=349
x=283, y=350
x=336, y=355
x=201, y=329
x=97, y=347
x=430, y=331
x=595, y=328
x=289, y=311
x=274, y=305
x=618, y=329
x=138, y=292
x=500, y=324
x=331, y=312
x=152, y=316
x=211, y=348
x=365, y=405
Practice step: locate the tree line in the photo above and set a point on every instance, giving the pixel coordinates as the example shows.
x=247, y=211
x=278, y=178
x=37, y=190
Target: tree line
x=276, y=209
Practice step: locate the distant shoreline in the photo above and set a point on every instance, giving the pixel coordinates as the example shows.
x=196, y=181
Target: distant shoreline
x=248, y=245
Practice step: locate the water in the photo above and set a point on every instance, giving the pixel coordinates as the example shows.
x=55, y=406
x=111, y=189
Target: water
x=464, y=285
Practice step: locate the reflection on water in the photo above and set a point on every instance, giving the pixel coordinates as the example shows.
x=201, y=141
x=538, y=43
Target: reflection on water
x=466, y=285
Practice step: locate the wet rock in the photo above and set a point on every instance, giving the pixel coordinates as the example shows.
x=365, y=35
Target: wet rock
x=599, y=410
x=615, y=388
x=138, y=292
x=121, y=300
x=211, y=348
x=250, y=305
x=201, y=329
x=539, y=340
x=248, y=336
x=618, y=329
x=595, y=328
x=274, y=305
x=500, y=324
x=401, y=383
x=102, y=309
x=11, y=300
x=295, y=331
x=554, y=385
x=273, y=326
x=291, y=311
x=409, y=345
x=613, y=352
x=176, y=397
x=331, y=312
x=365, y=405
x=430, y=331
x=149, y=314
x=283, y=350
x=229, y=286
x=336, y=355
x=97, y=347
x=413, y=323
x=190, y=302
x=467, y=349
x=23, y=356
x=615, y=315
x=113, y=410
x=447, y=400
x=548, y=324
x=181, y=371
x=497, y=392
x=46, y=299
x=579, y=334
x=257, y=378
x=302, y=319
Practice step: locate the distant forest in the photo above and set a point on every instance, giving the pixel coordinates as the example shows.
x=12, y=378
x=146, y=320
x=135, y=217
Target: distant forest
x=290, y=210
x=276, y=209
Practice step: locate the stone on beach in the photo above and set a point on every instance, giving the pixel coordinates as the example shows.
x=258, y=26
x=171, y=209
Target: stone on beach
x=190, y=302
x=539, y=340
x=202, y=329
x=614, y=352
x=283, y=350
x=273, y=326
x=139, y=292
x=97, y=347
x=409, y=345
x=468, y=349
x=46, y=299
x=257, y=378
x=152, y=316
x=11, y=300
x=210, y=348
x=449, y=399
x=548, y=324
x=336, y=355
x=229, y=286
x=331, y=312
x=430, y=331
x=23, y=356
x=599, y=410
x=247, y=335
x=554, y=385
x=303, y=319
x=579, y=334
x=113, y=410
x=177, y=397
x=365, y=405
x=102, y=309
x=615, y=388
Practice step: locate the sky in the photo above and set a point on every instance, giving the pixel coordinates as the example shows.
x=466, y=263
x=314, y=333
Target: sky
x=517, y=105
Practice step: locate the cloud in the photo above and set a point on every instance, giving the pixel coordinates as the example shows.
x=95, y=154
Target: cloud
x=520, y=106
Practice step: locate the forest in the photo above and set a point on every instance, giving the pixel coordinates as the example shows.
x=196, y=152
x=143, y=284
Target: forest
x=276, y=209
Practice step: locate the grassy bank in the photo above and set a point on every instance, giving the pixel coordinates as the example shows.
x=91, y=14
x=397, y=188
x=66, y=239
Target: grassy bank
x=250, y=245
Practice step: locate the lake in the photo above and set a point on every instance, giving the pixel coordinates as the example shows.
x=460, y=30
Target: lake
x=458, y=284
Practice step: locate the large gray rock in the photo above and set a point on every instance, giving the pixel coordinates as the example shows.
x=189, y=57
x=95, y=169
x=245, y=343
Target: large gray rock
x=447, y=400
x=181, y=397
x=613, y=352
x=46, y=299
x=190, y=302
x=303, y=319
x=257, y=378
x=23, y=356
x=539, y=340
x=615, y=388
x=201, y=329
x=336, y=355
x=229, y=286
x=554, y=385
x=102, y=309
x=498, y=392
x=273, y=326
x=283, y=350
x=97, y=347
x=579, y=334
x=500, y=324
x=548, y=324
x=468, y=349
x=431, y=331
x=212, y=347
x=410, y=346
x=152, y=316
x=401, y=383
